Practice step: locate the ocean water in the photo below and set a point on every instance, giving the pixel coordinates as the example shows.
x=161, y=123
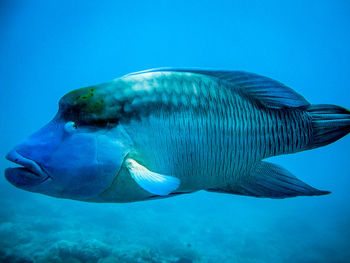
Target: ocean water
x=48, y=48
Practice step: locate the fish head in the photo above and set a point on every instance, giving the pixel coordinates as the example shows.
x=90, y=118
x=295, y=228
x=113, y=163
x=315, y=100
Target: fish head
x=78, y=154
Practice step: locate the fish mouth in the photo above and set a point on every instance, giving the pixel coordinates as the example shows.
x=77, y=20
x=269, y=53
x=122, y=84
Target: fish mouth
x=28, y=174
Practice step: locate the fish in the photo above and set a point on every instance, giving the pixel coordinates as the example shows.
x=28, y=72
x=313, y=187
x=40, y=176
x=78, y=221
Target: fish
x=164, y=132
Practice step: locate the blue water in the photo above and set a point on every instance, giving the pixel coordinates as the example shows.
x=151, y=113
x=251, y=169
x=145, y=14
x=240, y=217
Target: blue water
x=48, y=48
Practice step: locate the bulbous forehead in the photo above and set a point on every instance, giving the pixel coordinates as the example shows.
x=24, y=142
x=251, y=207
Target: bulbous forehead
x=136, y=96
x=93, y=105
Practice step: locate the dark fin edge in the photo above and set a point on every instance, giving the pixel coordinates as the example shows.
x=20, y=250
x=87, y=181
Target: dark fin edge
x=271, y=181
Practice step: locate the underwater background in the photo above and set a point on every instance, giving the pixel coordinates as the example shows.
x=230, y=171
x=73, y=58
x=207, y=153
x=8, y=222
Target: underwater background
x=48, y=48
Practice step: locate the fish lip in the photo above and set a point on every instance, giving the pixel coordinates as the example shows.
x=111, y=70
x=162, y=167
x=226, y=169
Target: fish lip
x=27, y=164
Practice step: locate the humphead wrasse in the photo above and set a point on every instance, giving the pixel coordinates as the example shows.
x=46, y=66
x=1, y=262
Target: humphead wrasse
x=164, y=132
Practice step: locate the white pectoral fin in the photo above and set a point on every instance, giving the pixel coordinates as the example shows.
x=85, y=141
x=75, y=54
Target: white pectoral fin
x=154, y=183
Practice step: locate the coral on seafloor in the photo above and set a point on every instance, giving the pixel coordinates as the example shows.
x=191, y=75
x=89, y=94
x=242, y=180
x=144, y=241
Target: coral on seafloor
x=63, y=251
x=34, y=239
x=42, y=231
x=95, y=251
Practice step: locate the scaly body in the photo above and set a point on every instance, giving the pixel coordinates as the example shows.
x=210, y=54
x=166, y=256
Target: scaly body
x=209, y=141
x=159, y=133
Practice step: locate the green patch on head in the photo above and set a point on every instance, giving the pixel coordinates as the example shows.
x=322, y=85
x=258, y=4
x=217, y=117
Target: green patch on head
x=89, y=94
x=96, y=105
x=85, y=105
x=84, y=99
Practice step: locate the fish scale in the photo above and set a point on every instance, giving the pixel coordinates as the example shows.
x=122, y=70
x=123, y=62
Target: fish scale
x=212, y=153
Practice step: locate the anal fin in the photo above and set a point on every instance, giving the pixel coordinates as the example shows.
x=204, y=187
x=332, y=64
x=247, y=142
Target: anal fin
x=272, y=181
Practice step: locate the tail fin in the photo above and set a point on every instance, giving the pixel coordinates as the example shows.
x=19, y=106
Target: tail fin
x=329, y=123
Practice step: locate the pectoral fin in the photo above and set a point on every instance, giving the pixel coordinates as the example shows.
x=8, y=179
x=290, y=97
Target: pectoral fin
x=155, y=183
x=273, y=181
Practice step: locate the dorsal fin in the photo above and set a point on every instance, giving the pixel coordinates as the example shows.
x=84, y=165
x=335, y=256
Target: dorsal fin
x=268, y=92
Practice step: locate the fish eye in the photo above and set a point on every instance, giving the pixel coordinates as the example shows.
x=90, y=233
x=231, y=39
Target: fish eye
x=70, y=127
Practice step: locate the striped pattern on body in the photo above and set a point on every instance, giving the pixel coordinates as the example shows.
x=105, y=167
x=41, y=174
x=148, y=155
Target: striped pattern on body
x=205, y=128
